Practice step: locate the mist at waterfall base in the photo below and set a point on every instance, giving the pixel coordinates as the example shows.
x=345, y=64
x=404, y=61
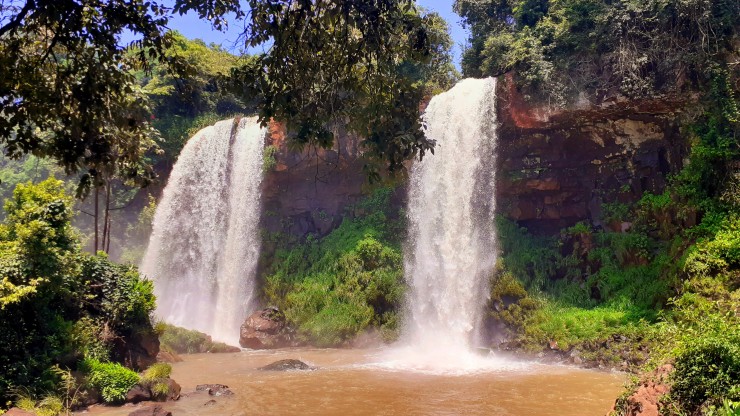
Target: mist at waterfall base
x=204, y=247
x=451, y=247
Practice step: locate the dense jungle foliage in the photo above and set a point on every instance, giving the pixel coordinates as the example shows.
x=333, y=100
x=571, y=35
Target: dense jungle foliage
x=562, y=52
x=58, y=306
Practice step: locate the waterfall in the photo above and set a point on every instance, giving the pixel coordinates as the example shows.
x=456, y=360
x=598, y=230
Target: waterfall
x=451, y=248
x=205, y=244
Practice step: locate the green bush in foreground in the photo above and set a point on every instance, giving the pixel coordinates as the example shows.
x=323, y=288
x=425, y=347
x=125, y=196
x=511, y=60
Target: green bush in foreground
x=707, y=371
x=112, y=380
x=155, y=378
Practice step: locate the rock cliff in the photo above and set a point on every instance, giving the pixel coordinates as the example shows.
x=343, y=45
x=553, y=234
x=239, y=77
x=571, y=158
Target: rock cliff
x=308, y=191
x=556, y=169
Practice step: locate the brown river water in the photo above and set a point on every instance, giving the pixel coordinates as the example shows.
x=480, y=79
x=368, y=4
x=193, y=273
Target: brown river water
x=368, y=382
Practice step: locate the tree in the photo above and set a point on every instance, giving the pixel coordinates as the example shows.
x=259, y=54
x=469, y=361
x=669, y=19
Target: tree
x=567, y=50
x=69, y=92
x=353, y=62
x=67, y=89
x=36, y=240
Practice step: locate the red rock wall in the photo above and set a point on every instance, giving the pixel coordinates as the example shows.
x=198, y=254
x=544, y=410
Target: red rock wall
x=556, y=169
x=309, y=191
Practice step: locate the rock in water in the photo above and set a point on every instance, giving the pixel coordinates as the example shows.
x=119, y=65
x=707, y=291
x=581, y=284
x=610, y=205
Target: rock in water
x=155, y=410
x=214, y=389
x=137, y=394
x=264, y=329
x=173, y=390
x=287, y=365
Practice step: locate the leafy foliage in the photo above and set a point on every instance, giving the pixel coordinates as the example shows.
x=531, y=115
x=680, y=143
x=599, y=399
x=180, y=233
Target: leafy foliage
x=364, y=63
x=112, y=380
x=561, y=50
x=76, y=305
x=334, y=288
x=35, y=240
x=68, y=92
x=72, y=94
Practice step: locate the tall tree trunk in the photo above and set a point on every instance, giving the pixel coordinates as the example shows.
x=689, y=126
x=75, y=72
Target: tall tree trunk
x=106, y=219
x=110, y=224
x=97, y=192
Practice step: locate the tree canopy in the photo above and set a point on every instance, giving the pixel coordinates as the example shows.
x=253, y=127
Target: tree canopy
x=68, y=89
x=561, y=51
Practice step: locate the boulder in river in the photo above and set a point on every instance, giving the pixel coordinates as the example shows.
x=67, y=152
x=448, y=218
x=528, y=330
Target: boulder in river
x=264, y=329
x=138, y=393
x=155, y=410
x=214, y=389
x=287, y=365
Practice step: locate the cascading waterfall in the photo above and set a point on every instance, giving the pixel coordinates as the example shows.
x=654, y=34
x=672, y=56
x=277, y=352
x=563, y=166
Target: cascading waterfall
x=205, y=244
x=452, y=240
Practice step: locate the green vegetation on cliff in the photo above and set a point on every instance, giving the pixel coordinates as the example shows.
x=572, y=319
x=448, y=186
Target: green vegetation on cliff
x=332, y=289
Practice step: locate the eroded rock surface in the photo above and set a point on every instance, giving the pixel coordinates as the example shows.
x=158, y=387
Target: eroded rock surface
x=557, y=169
x=214, y=389
x=155, y=410
x=264, y=329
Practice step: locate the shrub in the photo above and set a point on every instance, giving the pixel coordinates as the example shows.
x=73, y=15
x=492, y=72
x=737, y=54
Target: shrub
x=333, y=288
x=186, y=341
x=157, y=370
x=155, y=378
x=112, y=380
x=707, y=370
x=48, y=406
x=125, y=299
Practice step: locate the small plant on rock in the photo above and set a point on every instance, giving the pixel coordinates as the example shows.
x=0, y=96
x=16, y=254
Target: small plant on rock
x=112, y=380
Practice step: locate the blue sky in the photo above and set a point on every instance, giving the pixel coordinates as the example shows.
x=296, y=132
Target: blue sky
x=192, y=27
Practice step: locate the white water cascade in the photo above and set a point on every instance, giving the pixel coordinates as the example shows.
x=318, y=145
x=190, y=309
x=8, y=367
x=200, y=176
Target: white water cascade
x=451, y=249
x=205, y=244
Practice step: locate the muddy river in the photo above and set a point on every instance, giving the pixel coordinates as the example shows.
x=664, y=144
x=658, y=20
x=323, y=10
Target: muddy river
x=368, y=382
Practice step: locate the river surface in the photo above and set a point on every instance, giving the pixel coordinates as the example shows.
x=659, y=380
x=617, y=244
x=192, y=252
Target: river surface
x=366, y=382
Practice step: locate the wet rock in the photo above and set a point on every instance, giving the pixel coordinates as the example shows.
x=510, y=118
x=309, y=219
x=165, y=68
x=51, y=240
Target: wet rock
x=18, y=412
x=304, y=207
x=264, y=329
x=287, y=365
x=214, y=389
x=138, y=393
x=156, y=410
x=173, y=390
x=168, y=357
x=138, y=351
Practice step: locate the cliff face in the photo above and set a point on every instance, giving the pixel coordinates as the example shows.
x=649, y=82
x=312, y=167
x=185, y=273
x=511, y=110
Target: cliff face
x=310, y=191
x=556, y=169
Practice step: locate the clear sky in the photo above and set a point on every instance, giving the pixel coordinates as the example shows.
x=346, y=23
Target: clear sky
x=192, y=27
